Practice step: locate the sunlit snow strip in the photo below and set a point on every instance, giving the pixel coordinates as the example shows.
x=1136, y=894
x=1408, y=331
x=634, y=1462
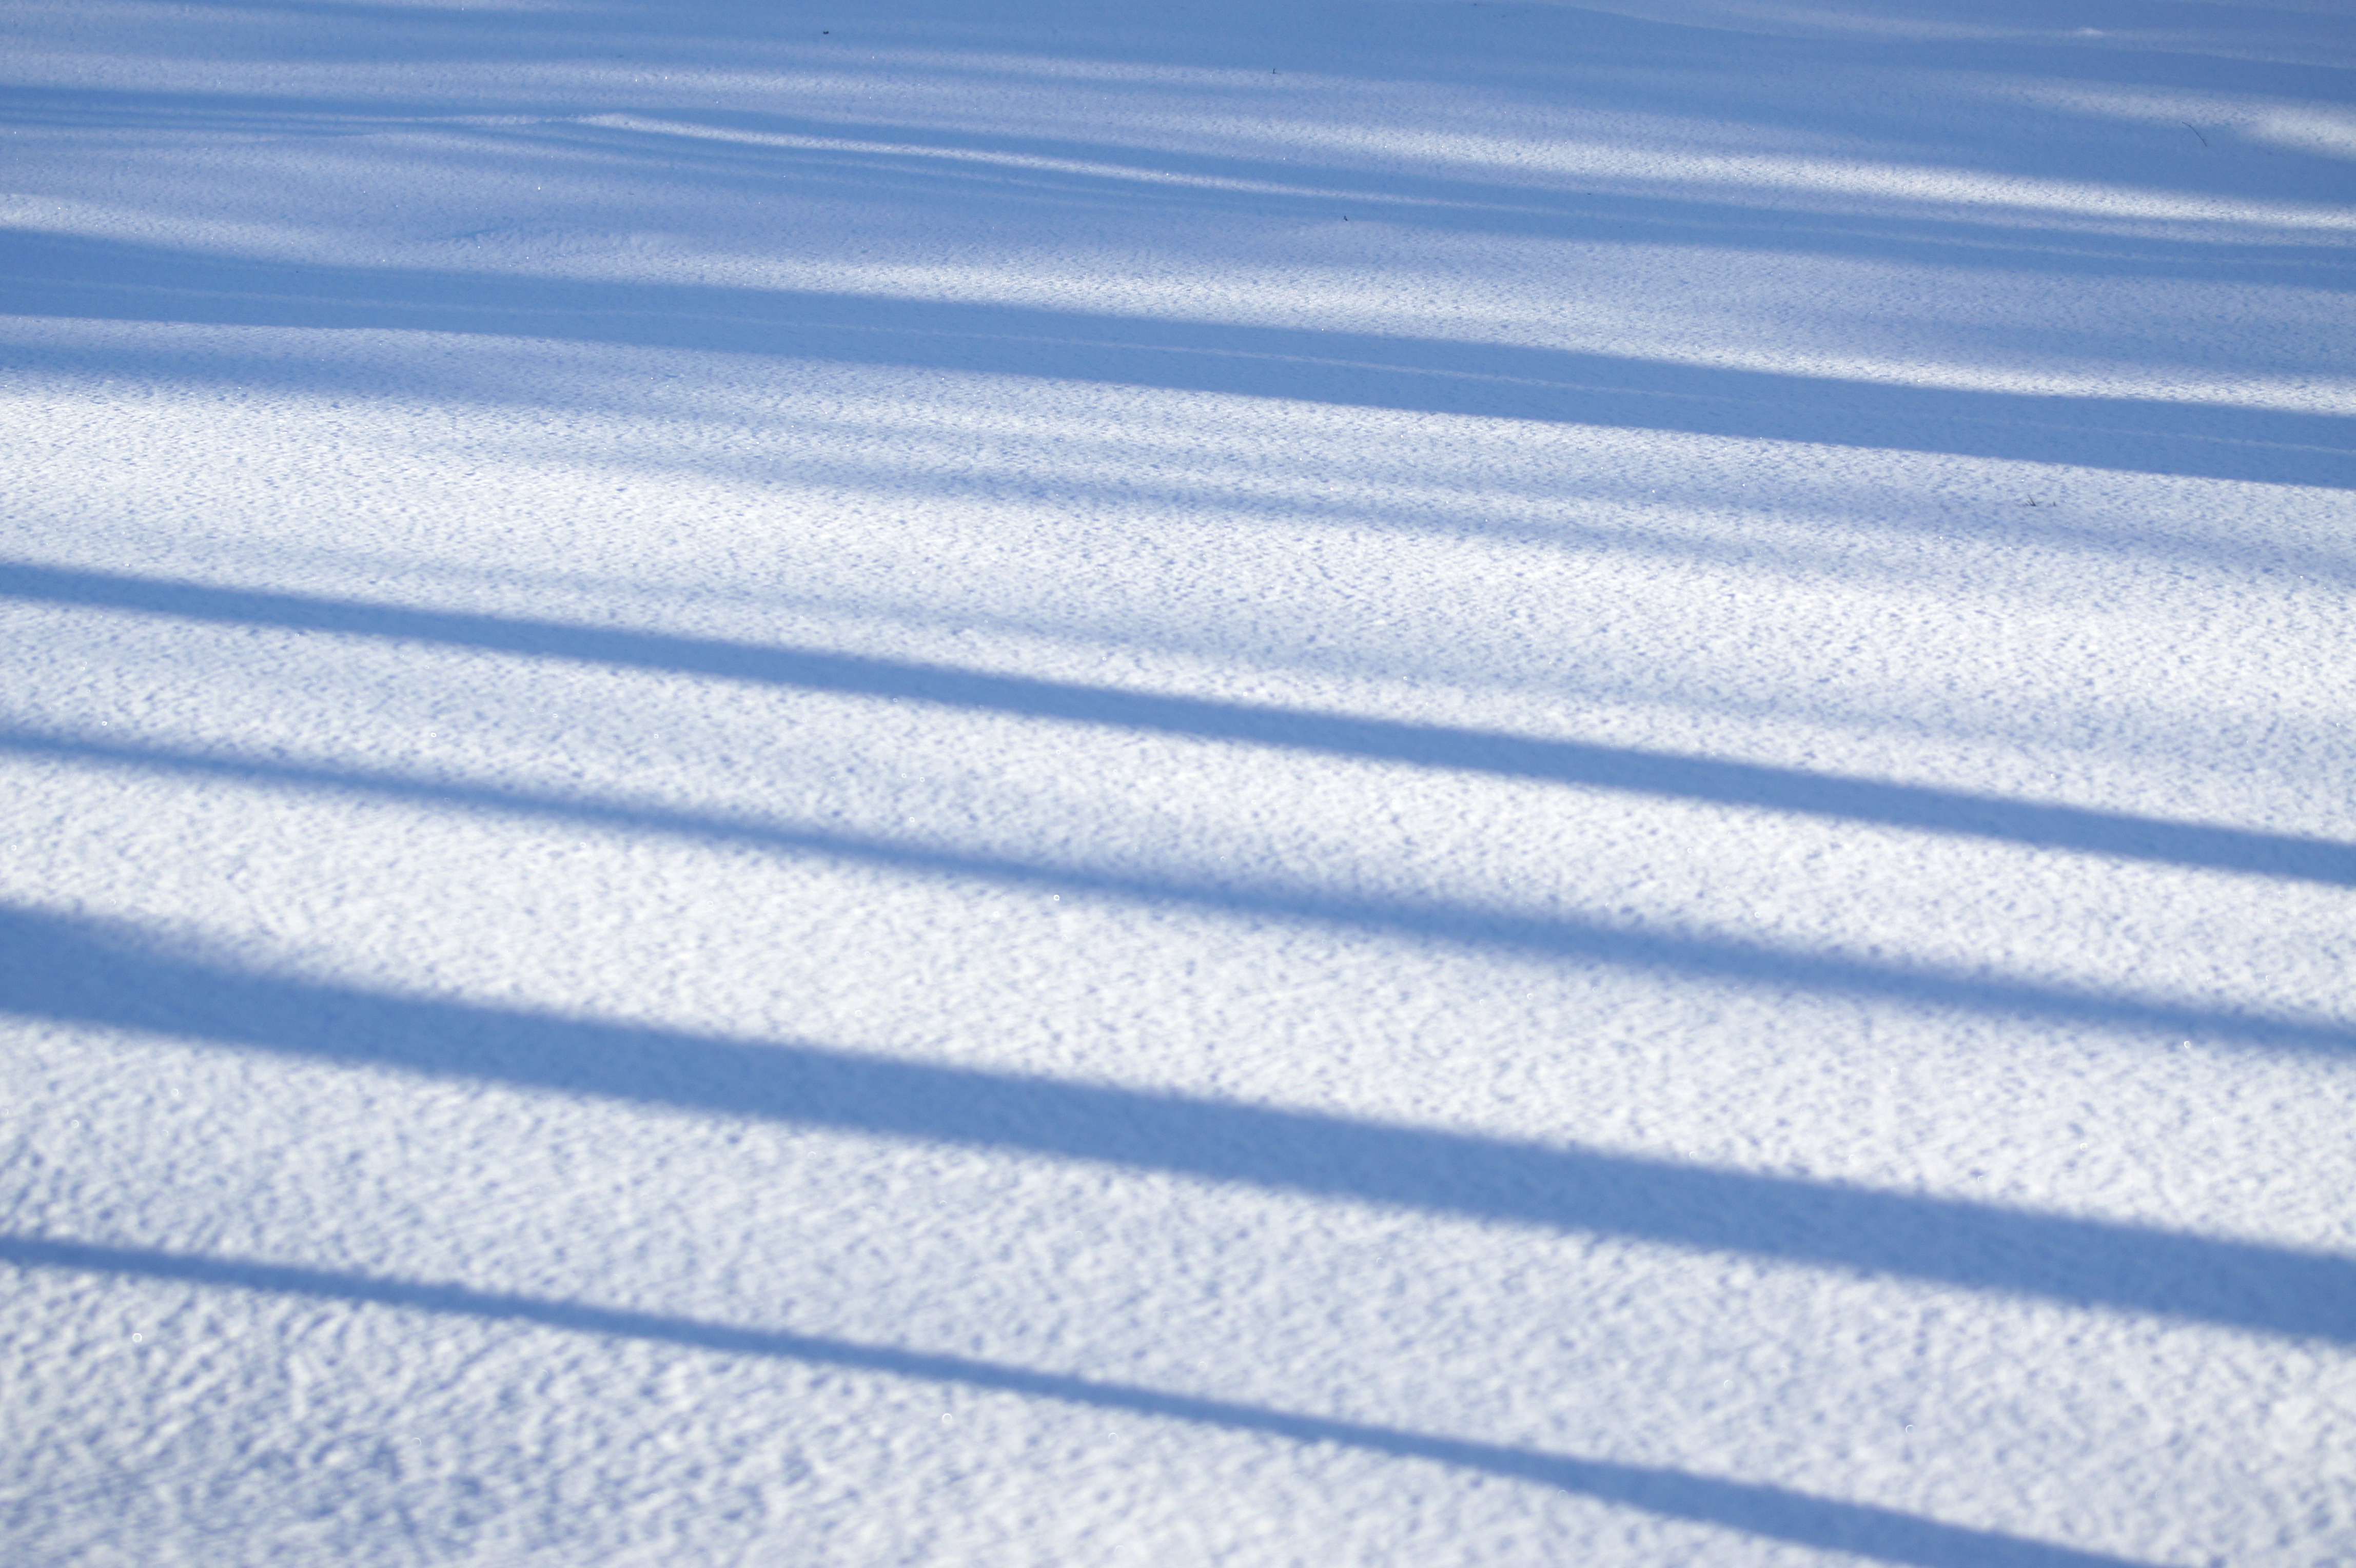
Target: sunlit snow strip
x=80, y=218
x=1921, y=184
x=2322, y=130
x=1926, y=184
x=1130, y=172
x=1759, y=1508
x=1681, y=949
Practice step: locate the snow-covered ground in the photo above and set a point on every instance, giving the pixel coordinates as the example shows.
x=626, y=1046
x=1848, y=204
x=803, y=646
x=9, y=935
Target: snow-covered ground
x=1243, y=782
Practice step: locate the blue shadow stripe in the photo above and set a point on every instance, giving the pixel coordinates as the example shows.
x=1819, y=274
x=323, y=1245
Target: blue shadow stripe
x=75, y=971
x=1660, y=774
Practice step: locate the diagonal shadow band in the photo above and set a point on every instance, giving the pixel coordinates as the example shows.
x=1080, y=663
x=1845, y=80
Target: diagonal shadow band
x=80, y=973
x=65, y=276
x=1773, y=1511
x=1719, y=957
x=1627, y=770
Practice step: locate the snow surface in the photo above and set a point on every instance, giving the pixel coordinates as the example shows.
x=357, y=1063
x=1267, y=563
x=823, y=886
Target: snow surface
x=1058, y=783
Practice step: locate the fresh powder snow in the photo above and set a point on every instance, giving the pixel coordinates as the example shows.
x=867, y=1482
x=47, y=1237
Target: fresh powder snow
x=1376, y=782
